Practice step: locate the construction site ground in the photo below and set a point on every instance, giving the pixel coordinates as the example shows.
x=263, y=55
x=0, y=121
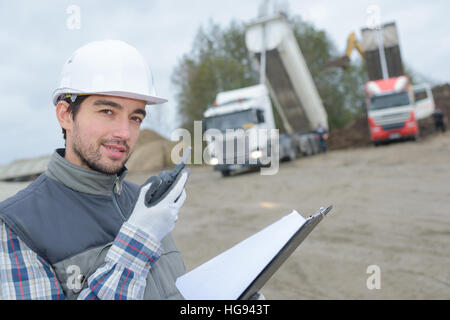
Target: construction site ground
x=391, y=209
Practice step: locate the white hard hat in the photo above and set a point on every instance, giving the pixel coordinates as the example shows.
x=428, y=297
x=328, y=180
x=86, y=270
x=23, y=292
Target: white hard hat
x=107, y=67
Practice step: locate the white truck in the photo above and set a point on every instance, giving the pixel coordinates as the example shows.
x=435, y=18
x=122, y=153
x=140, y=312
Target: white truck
x=288, y=82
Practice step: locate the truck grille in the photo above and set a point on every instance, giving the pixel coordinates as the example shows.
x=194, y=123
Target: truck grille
x=235, y=156
x=393, y=126
x=396, y=120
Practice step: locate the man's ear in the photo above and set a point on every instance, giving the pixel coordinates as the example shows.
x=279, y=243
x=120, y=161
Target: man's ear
x=64, y=115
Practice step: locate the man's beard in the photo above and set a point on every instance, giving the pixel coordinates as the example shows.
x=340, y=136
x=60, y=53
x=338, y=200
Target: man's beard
x=91, y=155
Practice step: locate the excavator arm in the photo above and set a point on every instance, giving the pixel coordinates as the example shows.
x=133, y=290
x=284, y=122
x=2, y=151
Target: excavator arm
x=352, y=44
x=344, y=61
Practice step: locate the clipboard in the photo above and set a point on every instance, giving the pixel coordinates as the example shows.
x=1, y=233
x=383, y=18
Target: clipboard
x=242, y=270
x=284, y=253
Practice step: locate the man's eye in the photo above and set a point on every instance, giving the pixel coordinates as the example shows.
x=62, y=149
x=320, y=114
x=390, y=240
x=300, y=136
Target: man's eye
x=137, y=119
x=107, y=111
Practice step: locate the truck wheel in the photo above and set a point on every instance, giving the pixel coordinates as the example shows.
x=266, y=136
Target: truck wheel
x=292, y=155
x=309, y=150
x=225, y=173
x=299, y=151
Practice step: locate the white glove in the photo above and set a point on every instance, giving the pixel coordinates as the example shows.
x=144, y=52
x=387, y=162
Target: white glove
x=159, y=219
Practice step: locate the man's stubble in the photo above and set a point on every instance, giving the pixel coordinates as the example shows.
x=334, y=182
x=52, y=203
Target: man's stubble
x=91, y=156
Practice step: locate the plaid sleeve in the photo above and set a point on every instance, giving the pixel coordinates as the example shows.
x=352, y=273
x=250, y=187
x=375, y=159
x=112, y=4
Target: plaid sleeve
x=23, y=274
x=127, y=263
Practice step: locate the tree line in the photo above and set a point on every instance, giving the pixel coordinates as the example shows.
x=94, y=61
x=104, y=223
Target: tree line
x=219, y=61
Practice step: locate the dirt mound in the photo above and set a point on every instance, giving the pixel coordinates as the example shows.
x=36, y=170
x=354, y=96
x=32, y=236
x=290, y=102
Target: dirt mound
x=151, y=153
x=356, y=134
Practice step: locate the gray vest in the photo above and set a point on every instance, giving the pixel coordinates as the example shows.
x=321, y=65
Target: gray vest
x=70, y=216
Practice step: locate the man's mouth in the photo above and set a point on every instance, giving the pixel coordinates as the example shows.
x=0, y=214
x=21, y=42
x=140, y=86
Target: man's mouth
x=115, y=151
x=115, y=148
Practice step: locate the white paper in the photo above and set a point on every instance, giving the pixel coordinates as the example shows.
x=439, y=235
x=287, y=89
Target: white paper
x=227, y=275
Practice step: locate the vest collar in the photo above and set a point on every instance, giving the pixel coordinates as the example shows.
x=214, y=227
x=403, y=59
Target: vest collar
x=82, y=179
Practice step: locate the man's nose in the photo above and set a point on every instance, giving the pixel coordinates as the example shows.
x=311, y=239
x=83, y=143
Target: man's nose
x=122, y=130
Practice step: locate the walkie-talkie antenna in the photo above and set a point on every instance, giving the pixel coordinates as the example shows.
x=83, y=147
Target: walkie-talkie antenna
x=180, y=165
x=162, y=183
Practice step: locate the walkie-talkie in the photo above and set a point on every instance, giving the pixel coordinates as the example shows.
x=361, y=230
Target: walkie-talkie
x=163, y=182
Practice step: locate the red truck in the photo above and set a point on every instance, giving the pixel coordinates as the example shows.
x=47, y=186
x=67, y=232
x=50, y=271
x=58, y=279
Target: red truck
x=394, y=107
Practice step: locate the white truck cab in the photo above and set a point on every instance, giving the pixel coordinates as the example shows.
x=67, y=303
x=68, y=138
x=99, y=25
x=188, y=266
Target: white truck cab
x=237, y=118
x=423, y=101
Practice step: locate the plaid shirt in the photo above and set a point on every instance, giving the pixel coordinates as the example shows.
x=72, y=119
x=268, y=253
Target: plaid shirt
x=25, y=275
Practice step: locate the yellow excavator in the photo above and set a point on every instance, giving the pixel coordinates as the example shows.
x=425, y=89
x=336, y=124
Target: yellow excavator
x=344, y=62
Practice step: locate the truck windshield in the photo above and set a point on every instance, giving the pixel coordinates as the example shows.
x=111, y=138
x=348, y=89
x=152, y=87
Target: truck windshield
x=389, y=101
x=235, y=120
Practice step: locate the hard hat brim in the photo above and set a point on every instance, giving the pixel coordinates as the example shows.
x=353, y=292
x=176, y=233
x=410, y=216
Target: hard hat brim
x=150, y=100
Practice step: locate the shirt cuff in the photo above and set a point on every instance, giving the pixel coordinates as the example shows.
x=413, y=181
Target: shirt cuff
x=134, y=249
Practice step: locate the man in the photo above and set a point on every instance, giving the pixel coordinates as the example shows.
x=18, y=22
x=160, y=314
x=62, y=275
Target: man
x=323, y=137
x=80, y=231
x=439, y=121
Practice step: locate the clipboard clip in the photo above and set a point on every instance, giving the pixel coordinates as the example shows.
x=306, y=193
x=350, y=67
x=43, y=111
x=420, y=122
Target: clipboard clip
x=323, y=211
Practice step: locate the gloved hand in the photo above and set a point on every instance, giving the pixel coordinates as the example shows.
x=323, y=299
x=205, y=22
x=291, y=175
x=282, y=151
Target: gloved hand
x=159, y=219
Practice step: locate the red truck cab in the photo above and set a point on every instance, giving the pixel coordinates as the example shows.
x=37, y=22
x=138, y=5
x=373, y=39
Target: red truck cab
x=391, y=110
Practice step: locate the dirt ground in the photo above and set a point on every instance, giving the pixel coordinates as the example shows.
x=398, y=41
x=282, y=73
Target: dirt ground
x=391, y=209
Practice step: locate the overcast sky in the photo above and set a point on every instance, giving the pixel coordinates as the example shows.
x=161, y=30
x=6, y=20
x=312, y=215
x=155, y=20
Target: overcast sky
x=35, y=41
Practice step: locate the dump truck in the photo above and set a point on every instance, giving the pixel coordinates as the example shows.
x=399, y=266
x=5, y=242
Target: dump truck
x=394, y=106
x=391, y=110
x=232, y=127
x=288, y=83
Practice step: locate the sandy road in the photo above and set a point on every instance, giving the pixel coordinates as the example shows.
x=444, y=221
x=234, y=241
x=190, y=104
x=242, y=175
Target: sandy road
x=391, y=209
